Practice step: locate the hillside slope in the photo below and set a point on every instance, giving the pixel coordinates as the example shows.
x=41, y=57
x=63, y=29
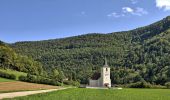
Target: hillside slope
x=141, y=54
x=9, y=59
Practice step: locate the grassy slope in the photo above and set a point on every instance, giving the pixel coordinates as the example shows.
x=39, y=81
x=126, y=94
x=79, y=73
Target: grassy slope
x=13, y=72
x=5, y=80
x=92, y=94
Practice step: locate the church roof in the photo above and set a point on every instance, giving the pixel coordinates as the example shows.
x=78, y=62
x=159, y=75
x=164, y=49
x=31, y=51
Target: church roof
x=106, y=65
x=96, y=76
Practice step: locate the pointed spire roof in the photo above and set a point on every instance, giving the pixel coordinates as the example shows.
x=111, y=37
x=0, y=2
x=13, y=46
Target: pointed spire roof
x=106, y=65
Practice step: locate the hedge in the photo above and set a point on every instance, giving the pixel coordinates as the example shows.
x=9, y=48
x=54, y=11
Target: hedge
x=8, y=76
x=39, y=80
x=140, y=85
x=167, y=85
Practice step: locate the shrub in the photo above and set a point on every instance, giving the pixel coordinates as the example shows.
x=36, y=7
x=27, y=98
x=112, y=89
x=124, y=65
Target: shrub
x=12, y=76
x=167, y=85
x=32, y=78
x=8, y=76
x=67, y=82
x=74, y=83
x=39, y=79
x=56, y=83
x=23, y=78
x=158, y=87
x=140, y=85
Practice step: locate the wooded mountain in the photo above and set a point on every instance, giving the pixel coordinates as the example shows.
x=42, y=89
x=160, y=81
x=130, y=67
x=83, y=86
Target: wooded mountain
x=142, y=54
x=9, y=59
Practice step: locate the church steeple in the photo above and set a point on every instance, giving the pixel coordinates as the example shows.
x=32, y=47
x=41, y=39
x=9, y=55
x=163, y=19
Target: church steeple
x=106, y=65
x=106, y=62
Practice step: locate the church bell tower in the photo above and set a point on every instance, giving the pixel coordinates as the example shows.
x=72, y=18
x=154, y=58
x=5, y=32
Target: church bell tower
x=105, y=75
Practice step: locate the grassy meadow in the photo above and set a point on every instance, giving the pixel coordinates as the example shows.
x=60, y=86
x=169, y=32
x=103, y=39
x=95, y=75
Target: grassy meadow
x=5, y=80
x=101, y=94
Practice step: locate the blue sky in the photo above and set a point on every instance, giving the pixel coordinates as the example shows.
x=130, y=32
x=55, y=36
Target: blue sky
x=30, y=20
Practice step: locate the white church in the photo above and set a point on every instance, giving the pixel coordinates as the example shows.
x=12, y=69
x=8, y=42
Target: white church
x=104, y=79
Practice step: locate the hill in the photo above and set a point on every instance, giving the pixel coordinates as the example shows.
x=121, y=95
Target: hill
x=9, y=59
x=141, y=54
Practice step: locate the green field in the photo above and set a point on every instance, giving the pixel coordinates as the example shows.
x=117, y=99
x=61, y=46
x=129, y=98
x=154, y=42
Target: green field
x=9, y=71
x=99, y=94
x=5, y=80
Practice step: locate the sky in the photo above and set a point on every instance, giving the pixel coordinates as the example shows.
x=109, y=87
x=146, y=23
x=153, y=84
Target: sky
x=32, y=20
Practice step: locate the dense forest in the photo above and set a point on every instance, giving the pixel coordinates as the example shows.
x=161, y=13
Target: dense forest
x=9, y=59
x=34, y=71
x=142, y=54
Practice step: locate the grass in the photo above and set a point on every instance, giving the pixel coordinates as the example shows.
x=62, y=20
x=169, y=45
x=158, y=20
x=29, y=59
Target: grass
x=9, y=71
x=7, y=85
x=99, y=94
x=5, y=80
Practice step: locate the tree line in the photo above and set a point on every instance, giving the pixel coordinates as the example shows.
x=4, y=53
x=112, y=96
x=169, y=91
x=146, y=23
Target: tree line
x=137, y=55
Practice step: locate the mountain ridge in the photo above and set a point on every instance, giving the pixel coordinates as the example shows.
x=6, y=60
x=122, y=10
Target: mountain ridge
x=138, y=53
x=167, y=18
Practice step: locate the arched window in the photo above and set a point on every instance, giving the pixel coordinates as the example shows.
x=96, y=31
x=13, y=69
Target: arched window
x=106, y=69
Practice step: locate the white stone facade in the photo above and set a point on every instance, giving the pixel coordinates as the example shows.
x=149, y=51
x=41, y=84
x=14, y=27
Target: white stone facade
x=104, y=80
x=94, y=83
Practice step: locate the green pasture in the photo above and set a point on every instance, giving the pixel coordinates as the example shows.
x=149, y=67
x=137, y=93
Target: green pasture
x=5, y=80
x=102, y=94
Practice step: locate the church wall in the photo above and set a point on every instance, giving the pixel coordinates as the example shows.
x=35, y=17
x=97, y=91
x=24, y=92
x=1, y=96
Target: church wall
x=105, y=75
x=94, y=83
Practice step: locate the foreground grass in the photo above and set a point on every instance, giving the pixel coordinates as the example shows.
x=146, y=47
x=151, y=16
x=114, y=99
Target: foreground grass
x=9, y=71
x=5, y=80
x=99, y=94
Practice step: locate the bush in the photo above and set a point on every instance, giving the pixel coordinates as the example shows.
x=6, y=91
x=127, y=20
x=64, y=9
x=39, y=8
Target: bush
x=23, y=78
x=56, y=83
x=74, y=83
x=140, y=85
x=39, y=80
x=158, y=87
x=8, y=76
x=167, y=85
x=32, y=78
x=12, y=76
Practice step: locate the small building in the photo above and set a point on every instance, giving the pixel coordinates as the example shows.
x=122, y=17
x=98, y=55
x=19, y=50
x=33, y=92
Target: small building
x=102, y=79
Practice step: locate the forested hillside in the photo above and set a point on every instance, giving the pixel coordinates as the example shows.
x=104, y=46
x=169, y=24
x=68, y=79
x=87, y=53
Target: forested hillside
x=142, y=54
x=9, y=59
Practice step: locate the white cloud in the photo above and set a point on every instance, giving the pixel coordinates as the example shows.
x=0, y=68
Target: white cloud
x=165, y=4
x=136, y=11
x=126, y=11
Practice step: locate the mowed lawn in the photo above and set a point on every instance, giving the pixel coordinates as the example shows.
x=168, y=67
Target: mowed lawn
x=99, y=94
x=5, y=80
